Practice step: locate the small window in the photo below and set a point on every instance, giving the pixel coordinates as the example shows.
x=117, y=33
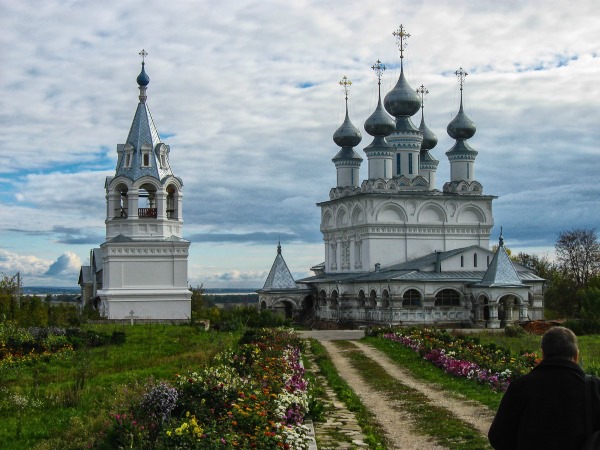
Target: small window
x=398, y=164
x=488, y=260
x=410, y=163
x=462, y=261
x=146, y=160
x=475, y=260
x=128, y=160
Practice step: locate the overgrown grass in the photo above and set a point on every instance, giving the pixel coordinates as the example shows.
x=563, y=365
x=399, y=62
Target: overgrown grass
x=64, y=404
x=424, y=370
x=373, y=432
x=428, y=419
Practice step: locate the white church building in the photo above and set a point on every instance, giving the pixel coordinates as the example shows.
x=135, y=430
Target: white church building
x=141, y=270
x=397, y=249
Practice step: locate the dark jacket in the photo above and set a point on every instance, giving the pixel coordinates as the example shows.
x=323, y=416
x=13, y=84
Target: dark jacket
x=545, y=409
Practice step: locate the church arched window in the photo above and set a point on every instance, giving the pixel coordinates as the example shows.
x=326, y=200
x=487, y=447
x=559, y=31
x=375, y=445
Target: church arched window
x=361, y=298
x=412, y=297
x=447, y=297
x=373, y=298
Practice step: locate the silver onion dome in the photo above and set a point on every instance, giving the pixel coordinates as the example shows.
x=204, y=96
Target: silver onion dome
x=430, y=140
x=402, y=100
x=461, y=127
x=347, y=135
x=380, y=123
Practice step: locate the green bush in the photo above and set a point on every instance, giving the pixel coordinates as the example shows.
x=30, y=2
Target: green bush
x=514, y=331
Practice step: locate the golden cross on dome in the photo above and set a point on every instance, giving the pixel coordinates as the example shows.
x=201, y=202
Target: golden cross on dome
x=422, y=91
x=401, y=36
x=143, y=54
x=378, y=67
x=461, y=74
x=345, y=83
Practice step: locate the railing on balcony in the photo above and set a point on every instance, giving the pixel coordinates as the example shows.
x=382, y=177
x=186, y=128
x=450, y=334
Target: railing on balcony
x=147, y=212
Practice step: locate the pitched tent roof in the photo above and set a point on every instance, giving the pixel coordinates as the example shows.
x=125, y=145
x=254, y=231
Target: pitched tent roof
x=501, y=271
x=280, y=276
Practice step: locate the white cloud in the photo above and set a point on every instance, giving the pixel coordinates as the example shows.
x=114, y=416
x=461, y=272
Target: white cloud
x=253, y=146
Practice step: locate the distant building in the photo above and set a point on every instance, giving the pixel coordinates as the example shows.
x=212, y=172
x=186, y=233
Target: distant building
x=141, y=269
x=400, y=251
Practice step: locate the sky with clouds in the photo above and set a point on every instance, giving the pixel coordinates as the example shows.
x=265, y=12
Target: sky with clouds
x=246, y=94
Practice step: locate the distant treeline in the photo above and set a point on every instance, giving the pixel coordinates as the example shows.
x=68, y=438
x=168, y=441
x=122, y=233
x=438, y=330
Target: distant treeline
x=211, y=299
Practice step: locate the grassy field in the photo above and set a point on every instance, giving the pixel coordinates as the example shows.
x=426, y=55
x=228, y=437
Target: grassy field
x=589, y=346
x=63, y=404
x=66, y=404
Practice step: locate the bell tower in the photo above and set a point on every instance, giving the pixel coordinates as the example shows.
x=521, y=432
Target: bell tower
x=145, y=255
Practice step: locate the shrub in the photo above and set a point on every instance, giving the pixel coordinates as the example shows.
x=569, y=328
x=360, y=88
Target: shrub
x=514, y=331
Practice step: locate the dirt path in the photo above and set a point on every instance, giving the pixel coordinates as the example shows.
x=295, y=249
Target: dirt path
x=395, y=422
x=470, y=412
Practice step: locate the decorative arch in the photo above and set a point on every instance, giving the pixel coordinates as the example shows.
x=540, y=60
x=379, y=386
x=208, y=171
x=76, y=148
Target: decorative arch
x=342, y=217
x=327, y=219
x=431, y=212
x=390, y=212
x=471, y=214
x=447, y=297
x=358, y=215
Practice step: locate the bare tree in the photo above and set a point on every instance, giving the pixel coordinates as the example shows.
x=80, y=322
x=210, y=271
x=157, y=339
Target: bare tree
x=578, y=254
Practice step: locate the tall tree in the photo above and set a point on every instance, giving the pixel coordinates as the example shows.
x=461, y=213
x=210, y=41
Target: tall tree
x=578, y=254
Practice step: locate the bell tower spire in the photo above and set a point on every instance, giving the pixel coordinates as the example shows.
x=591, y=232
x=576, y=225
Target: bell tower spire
x=144, y=256
x=145, y=198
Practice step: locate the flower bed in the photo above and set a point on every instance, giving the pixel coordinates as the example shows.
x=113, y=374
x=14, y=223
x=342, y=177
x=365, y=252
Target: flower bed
x=24, y=346
x=464, y=356
x=20, y=346
x=253, y=397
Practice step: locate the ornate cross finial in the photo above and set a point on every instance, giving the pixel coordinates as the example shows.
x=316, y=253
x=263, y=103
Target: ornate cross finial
x=461, y=74
x=422, y=92
x=501, y=239
x=378, y=67
x=401, y=36
x=143, y=54
x=345, y=83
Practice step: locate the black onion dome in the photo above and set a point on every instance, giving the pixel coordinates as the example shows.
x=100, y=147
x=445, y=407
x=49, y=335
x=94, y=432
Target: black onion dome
x=461, y=127
x=402, y=100
x=143, y=79
x=430, y=140
x=380, y=123
x=347, y=135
